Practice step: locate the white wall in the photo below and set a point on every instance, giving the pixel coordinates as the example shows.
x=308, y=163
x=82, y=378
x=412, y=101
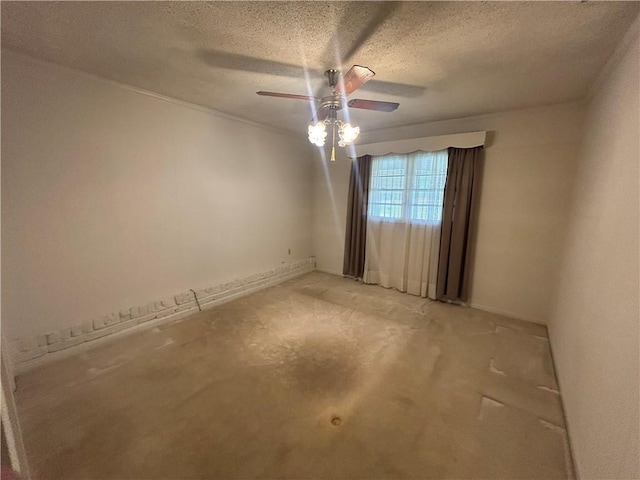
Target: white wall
x=594, y=327
x=113, y=198
x=530, y=162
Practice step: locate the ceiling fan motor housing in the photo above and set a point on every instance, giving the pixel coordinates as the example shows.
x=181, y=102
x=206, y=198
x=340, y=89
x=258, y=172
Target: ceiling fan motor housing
x=333, y=102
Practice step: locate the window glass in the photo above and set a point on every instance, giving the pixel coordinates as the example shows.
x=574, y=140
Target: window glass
x=408, y=187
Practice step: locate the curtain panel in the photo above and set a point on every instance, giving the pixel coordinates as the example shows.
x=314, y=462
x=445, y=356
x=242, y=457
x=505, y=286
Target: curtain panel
x=459, y=219
x=403, y=256
x=356, y=231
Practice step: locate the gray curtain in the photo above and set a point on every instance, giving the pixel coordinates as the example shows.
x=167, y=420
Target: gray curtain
x=356, y=234
x=458, y=223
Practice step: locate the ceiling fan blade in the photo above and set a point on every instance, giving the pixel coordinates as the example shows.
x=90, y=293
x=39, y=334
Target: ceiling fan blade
x=373, y=105
x=288, y=95
x=354, y=79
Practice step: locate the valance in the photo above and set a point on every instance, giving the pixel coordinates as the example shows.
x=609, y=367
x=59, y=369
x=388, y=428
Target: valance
x=426, y=144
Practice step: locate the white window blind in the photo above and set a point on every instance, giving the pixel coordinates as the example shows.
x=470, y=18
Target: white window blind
x=408, y=187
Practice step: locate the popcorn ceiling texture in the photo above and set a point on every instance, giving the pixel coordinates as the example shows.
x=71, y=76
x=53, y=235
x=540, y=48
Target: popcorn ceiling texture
x=440, y=60
x=24, y=350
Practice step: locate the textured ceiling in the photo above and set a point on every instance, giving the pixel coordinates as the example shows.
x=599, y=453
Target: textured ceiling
x=439, y=60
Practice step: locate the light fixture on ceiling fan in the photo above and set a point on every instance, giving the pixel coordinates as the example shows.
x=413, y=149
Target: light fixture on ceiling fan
x=326, y=108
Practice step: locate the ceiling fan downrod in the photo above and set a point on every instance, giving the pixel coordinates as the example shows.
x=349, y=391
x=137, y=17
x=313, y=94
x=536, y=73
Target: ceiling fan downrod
x=333, y=75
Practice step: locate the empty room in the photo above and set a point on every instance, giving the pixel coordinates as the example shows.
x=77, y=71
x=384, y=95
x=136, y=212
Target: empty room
x=320, y=240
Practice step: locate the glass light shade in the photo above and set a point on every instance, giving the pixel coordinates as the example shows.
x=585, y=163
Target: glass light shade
x=317, y=133
x=347, y=134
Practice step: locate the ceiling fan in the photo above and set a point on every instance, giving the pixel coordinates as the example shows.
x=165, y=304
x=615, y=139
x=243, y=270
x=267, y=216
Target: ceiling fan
x=326, y=108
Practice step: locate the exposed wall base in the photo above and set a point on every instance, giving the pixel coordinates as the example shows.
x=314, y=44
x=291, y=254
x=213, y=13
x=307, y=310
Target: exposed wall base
x=31, y=352
x=477, y=306
x=505, y=313
x=569, y=439
x=332, y=272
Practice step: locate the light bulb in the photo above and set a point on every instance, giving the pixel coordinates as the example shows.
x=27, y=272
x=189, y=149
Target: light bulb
x=317, y=133
x=347, y=134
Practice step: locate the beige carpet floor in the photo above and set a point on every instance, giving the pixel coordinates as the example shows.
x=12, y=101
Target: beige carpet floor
x=317, y=378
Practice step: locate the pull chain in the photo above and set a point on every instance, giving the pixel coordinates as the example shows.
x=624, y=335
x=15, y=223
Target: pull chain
x=333, y=142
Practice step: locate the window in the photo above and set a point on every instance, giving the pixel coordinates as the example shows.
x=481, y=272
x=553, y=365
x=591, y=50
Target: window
x=408, y=187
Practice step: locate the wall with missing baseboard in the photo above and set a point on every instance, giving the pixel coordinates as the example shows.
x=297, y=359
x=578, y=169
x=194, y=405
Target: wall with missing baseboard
x=30, y=351
x=595, y=327
x=112, y=197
